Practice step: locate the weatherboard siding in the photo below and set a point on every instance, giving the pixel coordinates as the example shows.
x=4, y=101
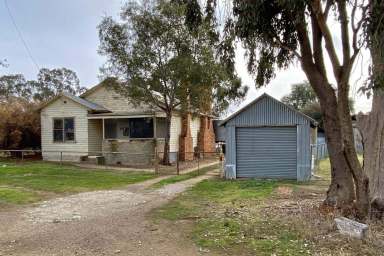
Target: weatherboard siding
x=72, y=151
x=113, y=101
x=175, y=133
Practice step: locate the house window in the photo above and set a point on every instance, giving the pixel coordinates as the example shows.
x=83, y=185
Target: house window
x=141, y=128
x=64, y=129
x=128, y=128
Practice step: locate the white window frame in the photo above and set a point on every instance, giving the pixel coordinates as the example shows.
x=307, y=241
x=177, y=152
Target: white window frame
x=63, y=130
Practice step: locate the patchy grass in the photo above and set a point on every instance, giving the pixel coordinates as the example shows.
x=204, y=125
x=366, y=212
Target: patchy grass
x=16, y=196
x=262, y=217
x=186, y=176
x=224, y=221
x=29, y=181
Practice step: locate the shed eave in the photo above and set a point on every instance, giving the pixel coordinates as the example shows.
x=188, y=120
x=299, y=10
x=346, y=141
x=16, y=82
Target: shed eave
x=265, y=95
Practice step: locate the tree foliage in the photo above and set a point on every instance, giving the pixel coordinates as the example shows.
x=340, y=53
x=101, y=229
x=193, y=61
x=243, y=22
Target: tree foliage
x=48, y=84
x=300, y=96
x=19, y=124
x=160, y=61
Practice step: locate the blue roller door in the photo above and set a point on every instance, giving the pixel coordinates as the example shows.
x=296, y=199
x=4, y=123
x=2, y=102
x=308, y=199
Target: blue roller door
x=266, y=152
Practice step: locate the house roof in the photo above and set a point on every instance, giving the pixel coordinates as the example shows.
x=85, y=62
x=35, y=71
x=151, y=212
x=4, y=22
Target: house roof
x=123, y=114
x=110, y=81
x=81, y=101
x=91, y=90
x=312, y=121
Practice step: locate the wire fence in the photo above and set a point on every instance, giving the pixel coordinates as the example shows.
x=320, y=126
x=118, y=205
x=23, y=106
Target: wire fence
x=319, y=151
x=178, y=163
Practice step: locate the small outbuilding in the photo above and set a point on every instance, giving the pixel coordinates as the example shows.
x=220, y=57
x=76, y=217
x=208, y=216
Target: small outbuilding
x=268, y=139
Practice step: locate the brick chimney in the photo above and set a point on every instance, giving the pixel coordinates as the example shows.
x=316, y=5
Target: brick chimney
x=206, y=137
x=185, y=139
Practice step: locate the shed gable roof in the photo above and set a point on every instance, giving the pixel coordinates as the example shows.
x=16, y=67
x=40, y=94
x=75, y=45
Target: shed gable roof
x=275, y=101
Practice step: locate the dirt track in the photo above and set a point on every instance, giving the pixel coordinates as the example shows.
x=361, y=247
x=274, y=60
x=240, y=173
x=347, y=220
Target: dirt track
x=110, y=222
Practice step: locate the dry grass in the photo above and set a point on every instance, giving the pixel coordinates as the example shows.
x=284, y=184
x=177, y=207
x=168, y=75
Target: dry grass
x=266, y=218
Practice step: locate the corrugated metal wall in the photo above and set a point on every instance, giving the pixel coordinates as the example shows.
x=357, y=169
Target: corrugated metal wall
x=269, y=112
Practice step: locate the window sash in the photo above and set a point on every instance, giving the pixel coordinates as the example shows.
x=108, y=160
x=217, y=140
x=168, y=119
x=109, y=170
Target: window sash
x=64, y=129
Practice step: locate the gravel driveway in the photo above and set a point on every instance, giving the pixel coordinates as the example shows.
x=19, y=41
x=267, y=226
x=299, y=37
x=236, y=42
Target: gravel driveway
x=109, y=222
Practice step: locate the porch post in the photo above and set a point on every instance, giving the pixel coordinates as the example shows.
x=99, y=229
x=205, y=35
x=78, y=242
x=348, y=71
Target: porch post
x=154, y=127
x=103, y=129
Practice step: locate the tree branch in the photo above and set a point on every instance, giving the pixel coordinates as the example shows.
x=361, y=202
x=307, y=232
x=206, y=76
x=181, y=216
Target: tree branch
x=316, y=7
x=327, y=8
x=356, y=27
x=317, y=39
x=341, y=5
x=278, y=43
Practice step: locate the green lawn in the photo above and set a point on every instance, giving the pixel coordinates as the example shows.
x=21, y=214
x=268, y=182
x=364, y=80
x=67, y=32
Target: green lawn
x=32, y=181
x=186, y=176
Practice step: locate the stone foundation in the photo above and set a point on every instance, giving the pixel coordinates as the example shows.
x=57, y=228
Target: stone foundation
x=136, y=152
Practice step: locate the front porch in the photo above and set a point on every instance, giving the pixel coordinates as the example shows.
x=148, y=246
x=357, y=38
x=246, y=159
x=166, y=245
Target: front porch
x=129, y=140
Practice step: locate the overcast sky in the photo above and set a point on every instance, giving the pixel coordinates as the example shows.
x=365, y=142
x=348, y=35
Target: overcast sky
x=64, y=34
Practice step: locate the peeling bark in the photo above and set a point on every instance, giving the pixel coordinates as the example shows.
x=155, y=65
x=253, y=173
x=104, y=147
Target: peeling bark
x=372, y=130
x=372, y=126
x=341, y=191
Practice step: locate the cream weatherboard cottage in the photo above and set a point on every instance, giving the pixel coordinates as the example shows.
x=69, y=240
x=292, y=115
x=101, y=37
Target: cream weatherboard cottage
x=101, y=122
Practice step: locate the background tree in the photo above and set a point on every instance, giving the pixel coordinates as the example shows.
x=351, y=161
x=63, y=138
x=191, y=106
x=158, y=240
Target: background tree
x=48, y=84
x=300, y=96
x=52, y=81
x=276, y=33
x=303, y=98
x=15, y=86
x=19, y=124
x=162, y=63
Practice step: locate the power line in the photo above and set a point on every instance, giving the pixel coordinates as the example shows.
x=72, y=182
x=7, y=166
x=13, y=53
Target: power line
x=21, y=36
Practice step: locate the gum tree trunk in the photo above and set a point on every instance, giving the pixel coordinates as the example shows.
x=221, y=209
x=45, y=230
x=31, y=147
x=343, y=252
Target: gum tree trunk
x=360, y=178
x=341, y=191
x=372, y=126
x=372, y=131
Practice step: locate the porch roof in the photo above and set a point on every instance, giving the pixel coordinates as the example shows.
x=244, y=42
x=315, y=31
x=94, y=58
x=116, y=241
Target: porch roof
x=133, y=114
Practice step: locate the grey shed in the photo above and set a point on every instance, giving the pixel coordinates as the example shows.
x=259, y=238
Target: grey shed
x=268, y=139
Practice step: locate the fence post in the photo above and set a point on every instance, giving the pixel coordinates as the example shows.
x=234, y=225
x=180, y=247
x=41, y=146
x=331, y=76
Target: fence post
x=177, y=164
x=198, y=163
x=61, y=157
x=22, y=155
x=156, y=162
